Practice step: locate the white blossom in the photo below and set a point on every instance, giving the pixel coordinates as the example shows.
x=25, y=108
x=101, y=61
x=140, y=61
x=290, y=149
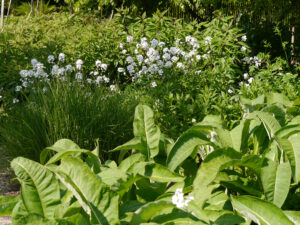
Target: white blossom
x=243, y=49
x=18, y=88
x=153, y=84
x=244, y=38
x=121, y=70
x=61, y=57
x=246, y=76
x=51, y=59
x=15, y=100
x=129, y=38
x=79, y=63
x=207, y=40
x=98, y=63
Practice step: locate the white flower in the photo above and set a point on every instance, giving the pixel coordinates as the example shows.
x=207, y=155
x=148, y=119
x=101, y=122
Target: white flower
x=165, y=50
x=25, y=84
x=103, y=66
x=124, y=51
x=121, y=45
x=99, y=79
x=144, y=44
x=207, y=40
x=243, y=49
x=15, y=100
x=79, y=76
x=18, y=88
x=129, y=59
x=69, y=68
x=244, y=38
x=161, y=44
x=89, y=80
x=61, y=57
x=54, y=70
x=153, y=84
x=198, y=57
x=168, y=64
x=129, y=38
x=45, y=89
x=167, y=56
x=178, y=199
x=61, y=71
x=95, y=73
x=136, y=51
x=174, y=50
x=106, y=79
x=198, y=72
x=174, y=58
x=160, y=72
x=98, y=63
x=121, y=70
x=34, y=62
x=246, y=76
x=213, y=136
x=140, y=58
x=154, y=43
x=23, y=73
x=180, y=65
x=193, y=120
x=51, y=59
x=79, y=63
x=112, y=87
x=160, y=63
x=250, y=80
x=230, y=91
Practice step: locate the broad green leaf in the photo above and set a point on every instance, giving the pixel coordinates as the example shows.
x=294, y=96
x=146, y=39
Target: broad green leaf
x=291, y=147
x=59, y=146
x=18, y=212
x=177, y=216
x=275, y=98
x=223, y=217
x=111, y=175
x=208, y=171
x=95, y=197
x=94, y=159
x=146, y=212
x=259, y=211
x=276, y=179
x=270, y=123
x=7, y=203
x=294, y=216
x=130, y=160
x=144, y=127
x=184, y=146
x=35, y=219
x=287, y=131
x=212, y=120
x=39, y=187
x=135, y=143
x=130, y=206
x=155, y=172
x=239, y=135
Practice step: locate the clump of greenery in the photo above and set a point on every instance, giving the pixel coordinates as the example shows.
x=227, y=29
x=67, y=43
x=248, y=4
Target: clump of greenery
x=68, y=110
x=248, y=174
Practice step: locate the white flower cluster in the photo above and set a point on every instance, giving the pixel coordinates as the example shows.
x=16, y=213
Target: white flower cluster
x=150, y=59
x=179, y=200
x=61, y=71
x=252, y=61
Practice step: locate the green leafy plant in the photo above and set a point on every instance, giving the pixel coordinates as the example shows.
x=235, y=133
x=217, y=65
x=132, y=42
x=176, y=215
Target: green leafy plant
x=246, y=174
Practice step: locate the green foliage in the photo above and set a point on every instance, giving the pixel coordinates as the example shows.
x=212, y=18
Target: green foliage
x=234, y=184
x=74, y=112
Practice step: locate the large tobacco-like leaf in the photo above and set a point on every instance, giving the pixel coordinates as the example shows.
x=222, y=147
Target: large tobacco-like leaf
x=260, y=211
x=155, y=172
x=96, y=198
x=276, y=179
x=145, y=128
x=208, y=171
x=39, y=187
x=185, y=146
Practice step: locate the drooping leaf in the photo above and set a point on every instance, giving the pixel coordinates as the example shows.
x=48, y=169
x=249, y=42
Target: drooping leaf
x=294, y=216
x=208, y=171
x=155, y=172
x=59, y=146
x=130, y=160
x=276, y=179
x=96, y=198
x=184, y=146
x=147, y=211
x=145, y=128
x=39, y=188
x=259, y=211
